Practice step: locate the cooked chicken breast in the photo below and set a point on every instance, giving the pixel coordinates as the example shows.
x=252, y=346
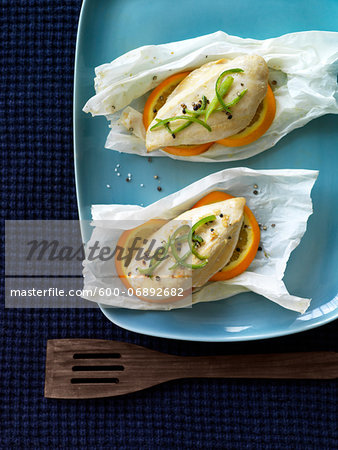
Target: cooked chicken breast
x=219, y=241
x=201, y=82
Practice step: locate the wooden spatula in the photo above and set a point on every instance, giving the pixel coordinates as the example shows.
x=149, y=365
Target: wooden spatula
x=92, y=368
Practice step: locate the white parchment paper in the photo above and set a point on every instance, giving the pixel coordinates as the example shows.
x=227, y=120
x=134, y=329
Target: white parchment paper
x=282, y=206
x=304, y=65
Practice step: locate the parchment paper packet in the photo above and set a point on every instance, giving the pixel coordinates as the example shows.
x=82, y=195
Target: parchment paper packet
x=304, y=66
x=282, y=205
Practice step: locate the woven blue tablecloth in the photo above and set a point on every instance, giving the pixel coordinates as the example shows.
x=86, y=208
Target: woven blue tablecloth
x=37, y=52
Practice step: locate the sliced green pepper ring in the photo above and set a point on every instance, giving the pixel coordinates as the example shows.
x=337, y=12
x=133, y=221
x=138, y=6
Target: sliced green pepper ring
x=192, y=231
x=181, y=260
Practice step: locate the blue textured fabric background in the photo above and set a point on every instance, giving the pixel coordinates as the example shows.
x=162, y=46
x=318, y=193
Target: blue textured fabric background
x=37, y=51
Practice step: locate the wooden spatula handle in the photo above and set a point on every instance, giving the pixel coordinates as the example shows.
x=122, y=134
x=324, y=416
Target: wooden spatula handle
x=309, y=365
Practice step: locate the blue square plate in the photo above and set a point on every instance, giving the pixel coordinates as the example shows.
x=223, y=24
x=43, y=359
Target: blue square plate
x=109, y=28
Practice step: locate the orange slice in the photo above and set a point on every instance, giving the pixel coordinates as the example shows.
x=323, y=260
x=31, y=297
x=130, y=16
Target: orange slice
x=247, y=244
x=125, y=242
x=156, y=100
x=259, y=125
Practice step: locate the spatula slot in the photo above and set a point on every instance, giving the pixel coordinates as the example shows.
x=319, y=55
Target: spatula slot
x=96, y=355
x=94, y=380
x=97, y=368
